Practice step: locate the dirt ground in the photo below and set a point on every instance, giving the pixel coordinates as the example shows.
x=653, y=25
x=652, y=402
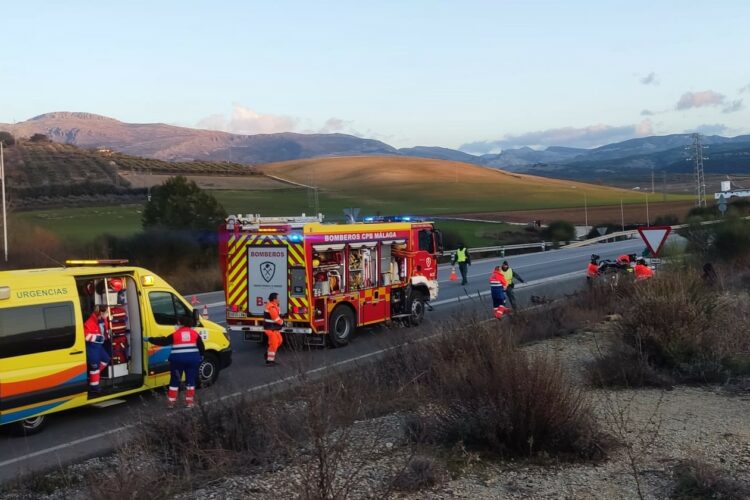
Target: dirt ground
x=632, y=214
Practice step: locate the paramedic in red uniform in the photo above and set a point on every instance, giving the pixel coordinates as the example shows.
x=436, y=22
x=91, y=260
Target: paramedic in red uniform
x=272, y=323
x=642, y=271
x=185, y=358
x=95, y=332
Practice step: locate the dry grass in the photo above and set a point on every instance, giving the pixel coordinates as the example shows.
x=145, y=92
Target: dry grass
x=436, y=186
x=674, y=329
x=481, y=391
x=695, y=480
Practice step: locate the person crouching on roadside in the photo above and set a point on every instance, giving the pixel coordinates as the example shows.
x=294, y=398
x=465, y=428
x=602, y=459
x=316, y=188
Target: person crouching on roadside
x=642, y=271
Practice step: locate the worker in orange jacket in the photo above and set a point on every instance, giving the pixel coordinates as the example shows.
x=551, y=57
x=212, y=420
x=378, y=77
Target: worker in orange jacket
x=498, y=285
x=592, y=271
x=272, y=323
x=626, y=259
x=642, y=271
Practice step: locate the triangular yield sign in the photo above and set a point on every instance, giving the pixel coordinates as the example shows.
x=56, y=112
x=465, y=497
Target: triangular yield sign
x=654, y=237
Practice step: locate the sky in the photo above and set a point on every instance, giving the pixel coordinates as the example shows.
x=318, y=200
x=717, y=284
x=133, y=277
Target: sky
x=477, y=75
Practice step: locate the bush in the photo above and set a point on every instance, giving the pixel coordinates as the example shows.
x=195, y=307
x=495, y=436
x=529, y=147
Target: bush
x=625, y=367
x=679, y=325
x=7, y=138
x=697, y=480
x=39, y=138
x=421, y=472
x=667, y=220
x=491, y=397
x=731, y=240
x=559, y=230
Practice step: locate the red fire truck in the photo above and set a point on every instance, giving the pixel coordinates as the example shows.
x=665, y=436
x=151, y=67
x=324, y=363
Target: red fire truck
x=331, y=278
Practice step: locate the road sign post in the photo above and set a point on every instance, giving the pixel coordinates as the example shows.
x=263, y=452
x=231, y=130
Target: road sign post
x=722, y=204
x=654, y=237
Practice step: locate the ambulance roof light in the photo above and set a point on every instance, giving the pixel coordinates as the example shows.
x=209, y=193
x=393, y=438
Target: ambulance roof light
x=4, y=292
x=96, y=262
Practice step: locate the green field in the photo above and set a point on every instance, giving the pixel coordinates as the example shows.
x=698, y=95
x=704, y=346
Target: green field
x=84, y=224
x=80, y=225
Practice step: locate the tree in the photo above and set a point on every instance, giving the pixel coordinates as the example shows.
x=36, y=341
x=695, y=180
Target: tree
x=39, y=138
x=7, y=138
x=180, y=204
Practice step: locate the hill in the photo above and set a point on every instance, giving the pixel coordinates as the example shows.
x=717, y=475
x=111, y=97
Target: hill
x=45, y=169
x=385, y=184
x=625, y=161
x=168, y=142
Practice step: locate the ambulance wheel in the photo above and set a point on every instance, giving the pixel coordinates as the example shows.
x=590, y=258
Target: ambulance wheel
x=30, y=426
x=208, y=371
x=416, y=308
x=341, y=326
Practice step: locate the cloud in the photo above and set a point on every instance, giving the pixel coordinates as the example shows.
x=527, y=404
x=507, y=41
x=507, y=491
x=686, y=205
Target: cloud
x=700, y=99
x=244, y=120
x=247, y=121
x=733, y=106
x=585, y=137
x=744, y=89
x=647, y=112
x=333, y=125
x=649, y=79
x=711, y=129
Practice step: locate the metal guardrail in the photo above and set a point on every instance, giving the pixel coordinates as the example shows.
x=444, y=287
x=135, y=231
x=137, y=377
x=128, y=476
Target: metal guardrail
x=544, y=245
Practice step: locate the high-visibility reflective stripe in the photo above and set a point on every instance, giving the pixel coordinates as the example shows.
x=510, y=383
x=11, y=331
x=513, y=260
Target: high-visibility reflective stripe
x=181, y=350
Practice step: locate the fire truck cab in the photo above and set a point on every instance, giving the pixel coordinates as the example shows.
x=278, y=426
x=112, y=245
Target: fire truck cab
x=331, y=278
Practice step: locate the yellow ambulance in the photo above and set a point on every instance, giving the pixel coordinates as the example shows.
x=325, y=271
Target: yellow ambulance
x=43, y=366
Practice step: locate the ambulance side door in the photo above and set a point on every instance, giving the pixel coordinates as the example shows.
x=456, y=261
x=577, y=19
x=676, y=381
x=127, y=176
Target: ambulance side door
x=162, y=319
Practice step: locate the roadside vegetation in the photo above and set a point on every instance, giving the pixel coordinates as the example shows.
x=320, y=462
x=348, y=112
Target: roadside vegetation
x=473, y=396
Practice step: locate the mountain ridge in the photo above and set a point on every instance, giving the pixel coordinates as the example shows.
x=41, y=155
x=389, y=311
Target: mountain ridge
x=175, y=143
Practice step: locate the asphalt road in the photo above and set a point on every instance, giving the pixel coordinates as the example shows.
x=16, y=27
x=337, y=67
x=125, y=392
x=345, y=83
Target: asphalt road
x=87, y=432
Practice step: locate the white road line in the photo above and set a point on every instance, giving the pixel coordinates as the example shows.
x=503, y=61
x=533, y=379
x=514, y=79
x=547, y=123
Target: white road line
x=66, y=445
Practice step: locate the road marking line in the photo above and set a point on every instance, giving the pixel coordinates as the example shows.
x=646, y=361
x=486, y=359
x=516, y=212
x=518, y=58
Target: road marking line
x=66, y=445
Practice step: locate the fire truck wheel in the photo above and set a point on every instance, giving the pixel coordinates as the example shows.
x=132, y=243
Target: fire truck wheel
x=341, y=326
x=416, y=308
x=208, y=371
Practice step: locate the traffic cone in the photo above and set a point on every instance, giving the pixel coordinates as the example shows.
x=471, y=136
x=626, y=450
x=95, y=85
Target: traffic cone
x=453, y=276
x=205, y=311
x=194, y=300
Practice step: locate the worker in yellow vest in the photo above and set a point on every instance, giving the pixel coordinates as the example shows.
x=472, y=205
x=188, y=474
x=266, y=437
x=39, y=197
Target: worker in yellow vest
x=511, y=278
x=462, y=257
